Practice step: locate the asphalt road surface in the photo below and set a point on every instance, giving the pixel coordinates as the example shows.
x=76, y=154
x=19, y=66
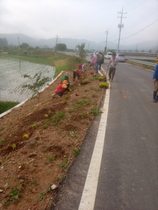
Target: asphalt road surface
x=128, y=173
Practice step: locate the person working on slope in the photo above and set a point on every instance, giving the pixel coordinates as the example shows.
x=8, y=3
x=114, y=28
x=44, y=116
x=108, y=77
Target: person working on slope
x=61, y=88
x=77, y=72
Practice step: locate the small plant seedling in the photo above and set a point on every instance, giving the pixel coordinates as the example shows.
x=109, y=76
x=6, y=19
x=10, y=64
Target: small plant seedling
x=27, y=119
x=13, y=146
x=94, y=96
x=57, y=117
x=76, y=152
x=95, y=111
x=63, y=164
x=66, y=97
x=71, y=110
x=73, y=134
x=84, y=114
x=14, y=195
x=33, y=126
x=49, y=112
x=25, y=136
x=62, y=177
x=64, y=102
x=3, y=141
x=46, y=115
x=82, y=103
x=41, y=196
x=51, y=159
x=45, y=126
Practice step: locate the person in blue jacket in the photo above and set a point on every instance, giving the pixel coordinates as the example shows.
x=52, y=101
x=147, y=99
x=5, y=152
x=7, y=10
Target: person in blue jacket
x=155, y=80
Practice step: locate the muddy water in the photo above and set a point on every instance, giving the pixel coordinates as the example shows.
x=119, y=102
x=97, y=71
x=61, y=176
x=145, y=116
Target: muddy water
x=12, y=79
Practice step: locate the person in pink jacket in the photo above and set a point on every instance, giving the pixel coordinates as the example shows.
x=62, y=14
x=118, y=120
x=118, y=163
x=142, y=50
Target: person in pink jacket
x=94, y=60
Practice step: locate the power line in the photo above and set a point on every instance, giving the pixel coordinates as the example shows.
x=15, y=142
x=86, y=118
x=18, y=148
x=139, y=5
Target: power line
x=140, y=30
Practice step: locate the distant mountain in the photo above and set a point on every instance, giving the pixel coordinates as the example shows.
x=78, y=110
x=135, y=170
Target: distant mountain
x=15, y=39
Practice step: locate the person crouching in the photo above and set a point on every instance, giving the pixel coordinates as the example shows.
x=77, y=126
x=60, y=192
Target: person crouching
x=62, y=88
x=77, y=72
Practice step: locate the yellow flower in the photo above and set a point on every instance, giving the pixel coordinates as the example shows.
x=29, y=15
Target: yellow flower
x=25, y=136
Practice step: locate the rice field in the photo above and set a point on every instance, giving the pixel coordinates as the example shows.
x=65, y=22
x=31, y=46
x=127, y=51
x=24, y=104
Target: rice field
x=12, y=78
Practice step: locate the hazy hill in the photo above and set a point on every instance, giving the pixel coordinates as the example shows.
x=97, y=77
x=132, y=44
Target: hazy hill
x=14, y=39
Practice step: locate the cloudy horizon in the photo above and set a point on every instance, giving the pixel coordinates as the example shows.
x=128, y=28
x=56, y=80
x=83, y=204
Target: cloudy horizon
x=81, y=19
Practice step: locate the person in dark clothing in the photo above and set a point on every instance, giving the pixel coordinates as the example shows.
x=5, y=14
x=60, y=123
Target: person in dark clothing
x=77, y=72
x=155, y=80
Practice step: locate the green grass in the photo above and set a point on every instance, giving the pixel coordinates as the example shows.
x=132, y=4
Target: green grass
x=6, y=105
x=82, y=103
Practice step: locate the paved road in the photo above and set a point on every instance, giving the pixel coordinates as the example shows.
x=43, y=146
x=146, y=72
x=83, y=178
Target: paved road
x=128, y=178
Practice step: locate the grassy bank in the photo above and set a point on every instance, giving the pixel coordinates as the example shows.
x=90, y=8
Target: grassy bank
x=141, y=65
x=60, y=61
x=6, y=105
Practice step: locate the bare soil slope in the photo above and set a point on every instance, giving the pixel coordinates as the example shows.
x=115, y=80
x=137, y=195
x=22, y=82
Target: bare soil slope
x=40, y=140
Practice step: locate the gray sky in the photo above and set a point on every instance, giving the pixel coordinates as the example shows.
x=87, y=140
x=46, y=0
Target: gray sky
x=87, y=19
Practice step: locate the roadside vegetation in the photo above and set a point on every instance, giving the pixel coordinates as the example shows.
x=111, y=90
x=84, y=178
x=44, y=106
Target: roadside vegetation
x=61, y=61
x=141, y=65
x=6, y=105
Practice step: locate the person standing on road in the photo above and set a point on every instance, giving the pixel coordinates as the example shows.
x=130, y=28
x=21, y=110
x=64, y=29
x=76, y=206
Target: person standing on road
x=112, y=66
x=101, y=55
x=155, y=80
x=98, y=64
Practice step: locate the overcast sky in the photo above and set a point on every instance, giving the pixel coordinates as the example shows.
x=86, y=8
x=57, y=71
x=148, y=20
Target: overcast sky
x=87, y=19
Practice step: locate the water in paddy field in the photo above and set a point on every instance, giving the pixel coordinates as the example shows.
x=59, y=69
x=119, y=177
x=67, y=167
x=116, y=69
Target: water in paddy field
x=12, y=79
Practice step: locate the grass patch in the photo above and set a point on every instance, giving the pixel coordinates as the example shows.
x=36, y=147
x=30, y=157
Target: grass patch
x=3, y=141
x=95, y=111
x=6, y=105
x=51, y=159
x=82, y=103
x=14, y=195
x=57, y=117
x=76, y=152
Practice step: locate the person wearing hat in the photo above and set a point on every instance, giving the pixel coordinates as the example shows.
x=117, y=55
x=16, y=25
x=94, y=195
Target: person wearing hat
x=112, y=66
x=65, y=77
x=155, y=81
x=61, y=88
x=77, y=72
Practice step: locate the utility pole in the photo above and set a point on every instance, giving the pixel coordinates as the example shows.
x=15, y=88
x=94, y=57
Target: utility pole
x=106, y=32
x=19, y=42
x=56, y=42
x=120, y=26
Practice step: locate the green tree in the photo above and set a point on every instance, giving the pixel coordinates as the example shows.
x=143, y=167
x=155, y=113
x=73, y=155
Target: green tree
x=36, y=83
x=81, y=50
x=3, y=42
x=24, y=46
x=60, y=46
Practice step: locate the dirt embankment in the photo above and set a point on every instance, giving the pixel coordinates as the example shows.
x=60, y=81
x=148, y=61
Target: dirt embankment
x=40, y=140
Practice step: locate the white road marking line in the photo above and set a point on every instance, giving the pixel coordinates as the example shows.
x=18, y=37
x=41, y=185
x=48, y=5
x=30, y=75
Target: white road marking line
x=90, y=187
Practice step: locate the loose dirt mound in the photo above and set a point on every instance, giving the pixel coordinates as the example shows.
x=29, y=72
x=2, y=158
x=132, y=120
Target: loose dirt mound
x=40, y=140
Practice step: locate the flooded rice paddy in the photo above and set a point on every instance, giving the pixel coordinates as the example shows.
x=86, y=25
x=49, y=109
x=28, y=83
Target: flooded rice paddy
x=12, y=78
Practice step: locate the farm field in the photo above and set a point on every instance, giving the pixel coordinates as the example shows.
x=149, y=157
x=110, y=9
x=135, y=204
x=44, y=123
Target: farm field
x=12, y=78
